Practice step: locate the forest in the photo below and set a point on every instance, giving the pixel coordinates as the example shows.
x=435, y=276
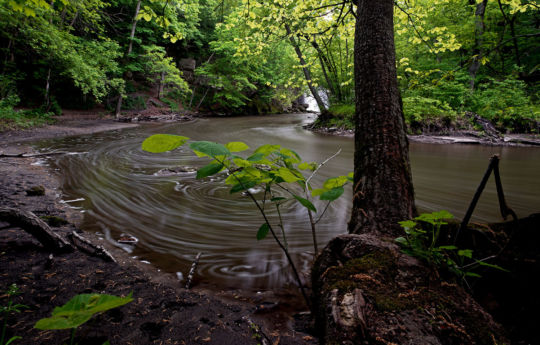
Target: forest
x=185, y=172
x=252, y=57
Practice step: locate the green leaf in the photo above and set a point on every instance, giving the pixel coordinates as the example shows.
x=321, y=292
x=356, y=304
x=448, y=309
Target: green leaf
x=210, y=148
x=158, y=143
x=317, y=192
x=306, y=203
x=80, y=309
x=407, y=224
x=267, y=149
x=287, y=175
x=472, y=274
x=236, y=146
x=263, y=231
x=209, y=170
x=465, y=252
x=332, y=194
x=335, y=182
x=242, y=186
x=279, y=198
x=242, y=163
x=256, y=157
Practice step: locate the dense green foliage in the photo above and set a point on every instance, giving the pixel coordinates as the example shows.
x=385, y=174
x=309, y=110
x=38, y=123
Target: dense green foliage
x=453, y=56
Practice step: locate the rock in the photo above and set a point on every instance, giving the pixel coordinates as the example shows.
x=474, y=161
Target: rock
x=187, y=64
x=54, y=221
x=367, y=291
x=36, y=191
x=181, y=170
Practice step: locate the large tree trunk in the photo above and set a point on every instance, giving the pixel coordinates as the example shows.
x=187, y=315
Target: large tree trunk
x=383, y=190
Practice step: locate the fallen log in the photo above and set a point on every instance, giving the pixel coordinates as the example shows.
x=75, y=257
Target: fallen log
x=36, y=227
x=97, y=250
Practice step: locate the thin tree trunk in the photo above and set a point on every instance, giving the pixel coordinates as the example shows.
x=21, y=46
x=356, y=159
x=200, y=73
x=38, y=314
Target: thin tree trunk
x=512, y=22
x=305, y=69
x=48, y=88
x=133, y=27
x=130, y=48
x=161, y=85
x=383, y=192
x=479, y=28
x=324, y=63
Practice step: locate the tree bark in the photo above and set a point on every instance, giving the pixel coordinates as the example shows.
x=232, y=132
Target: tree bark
x=479, y=28
x=307, y=72
x=130, y=48
x=383, y=192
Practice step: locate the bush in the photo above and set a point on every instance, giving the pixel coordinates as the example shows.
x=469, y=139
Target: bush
x=11, y=119
x=506, y=104
x=134, y=103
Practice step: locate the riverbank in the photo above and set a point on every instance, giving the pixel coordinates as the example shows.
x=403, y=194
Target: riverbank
x=162, y=311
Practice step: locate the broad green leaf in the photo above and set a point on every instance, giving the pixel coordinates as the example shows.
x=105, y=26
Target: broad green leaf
x=306, y=203
x=305, y=166
x=242, y=186
x=267, y=149
x=263, y=231
x=443, y=214
x=80, y=309
x=332, y=194
x=256, y=157
x=287, y=175
x=236, y=146
x=158, y=143
x=335, y=182
x=407, y=224
x=465, y=252
x=317, y=192
x=210, y=148
x=242, y=163
x=209, y=170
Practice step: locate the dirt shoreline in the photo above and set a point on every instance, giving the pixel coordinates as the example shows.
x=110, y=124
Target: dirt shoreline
x=162, y=312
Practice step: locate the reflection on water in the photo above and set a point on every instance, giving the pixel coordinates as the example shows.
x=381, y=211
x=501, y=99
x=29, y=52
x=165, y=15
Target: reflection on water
x=175, y=217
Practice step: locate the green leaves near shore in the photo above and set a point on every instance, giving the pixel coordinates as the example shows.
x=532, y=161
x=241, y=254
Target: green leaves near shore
x=80, y=309
x=158, y=143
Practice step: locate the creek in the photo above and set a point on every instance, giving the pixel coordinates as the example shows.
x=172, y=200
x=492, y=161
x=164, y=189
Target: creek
x=112, y=182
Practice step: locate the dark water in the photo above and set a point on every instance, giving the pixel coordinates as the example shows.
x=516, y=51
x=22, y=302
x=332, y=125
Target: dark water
x=176, y=217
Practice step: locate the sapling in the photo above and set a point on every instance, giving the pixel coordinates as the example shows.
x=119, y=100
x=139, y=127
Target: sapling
x=423, y=242
x=274, y=169
x=13, y=290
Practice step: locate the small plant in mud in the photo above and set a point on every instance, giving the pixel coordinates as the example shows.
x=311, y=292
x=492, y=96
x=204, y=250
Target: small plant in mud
x=80, y=309
x=278, y=171
x=422, y=240
x=6, y=310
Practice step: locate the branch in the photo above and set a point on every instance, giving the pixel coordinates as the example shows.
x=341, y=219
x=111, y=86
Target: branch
x=36, y=227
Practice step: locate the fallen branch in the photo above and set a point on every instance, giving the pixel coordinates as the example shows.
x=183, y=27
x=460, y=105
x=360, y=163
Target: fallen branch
x=29, y=155
x=98, y=251
x=36, y=227
x=192, y=270
x=259, y=334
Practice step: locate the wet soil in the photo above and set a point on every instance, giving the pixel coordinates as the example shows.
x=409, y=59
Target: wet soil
x=162, y=312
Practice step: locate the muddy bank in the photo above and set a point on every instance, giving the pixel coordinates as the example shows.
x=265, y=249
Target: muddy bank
x=162, y=312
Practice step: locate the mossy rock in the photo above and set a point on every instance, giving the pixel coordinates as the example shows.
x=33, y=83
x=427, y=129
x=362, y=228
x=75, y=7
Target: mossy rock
x=54, y=221
x=35, y=191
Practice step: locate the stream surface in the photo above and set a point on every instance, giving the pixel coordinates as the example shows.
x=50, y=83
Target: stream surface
x=112, y=182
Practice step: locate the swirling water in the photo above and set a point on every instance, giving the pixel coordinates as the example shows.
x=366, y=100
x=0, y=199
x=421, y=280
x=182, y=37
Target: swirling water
x=174, y=217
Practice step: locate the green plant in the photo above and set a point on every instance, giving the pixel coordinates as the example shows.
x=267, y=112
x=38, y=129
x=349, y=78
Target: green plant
x=274, y=169
x=423, y=242
x=80, y=309
x=13, y=290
